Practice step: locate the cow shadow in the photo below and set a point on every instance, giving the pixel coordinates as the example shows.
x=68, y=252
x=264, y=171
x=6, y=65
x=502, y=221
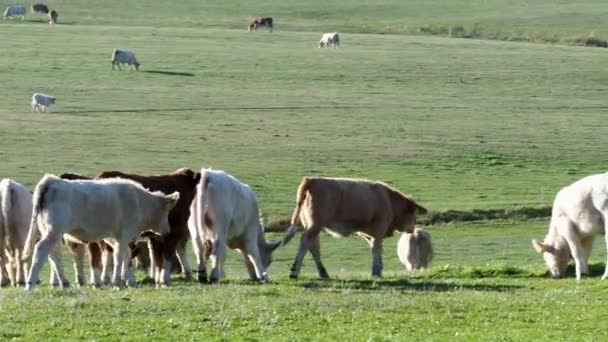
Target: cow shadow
x=169, y=73
x=371, y=285
x=205, y=109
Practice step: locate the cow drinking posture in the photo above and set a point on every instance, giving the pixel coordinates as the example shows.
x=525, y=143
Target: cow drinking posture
x=226, y=212
x=580, y=211
x=330, y=39
x=114, y=210
x=345, y=206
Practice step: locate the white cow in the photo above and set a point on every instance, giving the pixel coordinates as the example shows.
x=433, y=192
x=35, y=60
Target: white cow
x=580, y=211
x=114, y=210
x=15, y=216
x=122, y=57
x=328, y=39
x=225, y=211
x=42, y=102
x=13, y=11
x=415, y=249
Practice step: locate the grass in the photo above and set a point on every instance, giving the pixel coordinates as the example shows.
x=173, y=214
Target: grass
x=471, y=128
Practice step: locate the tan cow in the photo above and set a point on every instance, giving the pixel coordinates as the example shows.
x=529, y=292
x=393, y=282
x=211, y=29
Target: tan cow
x=344, y=206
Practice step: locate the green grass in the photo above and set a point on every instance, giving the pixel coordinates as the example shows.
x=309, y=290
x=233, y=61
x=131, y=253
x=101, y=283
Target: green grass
x=460, y=124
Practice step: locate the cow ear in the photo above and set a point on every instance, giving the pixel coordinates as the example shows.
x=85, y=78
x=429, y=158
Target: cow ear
x=274, y=245
x=171, y=200
x=197, y=177
x=541, y=247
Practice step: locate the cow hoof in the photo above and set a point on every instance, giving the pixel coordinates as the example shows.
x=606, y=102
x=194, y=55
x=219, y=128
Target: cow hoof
x=214, y=281
x=65, y=285
x=29, y=286
x=293, y=276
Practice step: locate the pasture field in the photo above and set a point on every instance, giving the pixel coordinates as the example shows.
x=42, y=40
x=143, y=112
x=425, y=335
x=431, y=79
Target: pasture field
x=460, y=124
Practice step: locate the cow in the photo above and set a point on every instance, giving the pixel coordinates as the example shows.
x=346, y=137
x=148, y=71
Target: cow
x=15, y=216
x=13, y=11
x=330, y=39
x=53, y=16
x=226, y=212
x=579, y=213
x=114, y=210
x=260, y=21
x=344, y=206
x=40, y=8
x=164, y=249
x=122, y=56
x=42, y=102
x=415, y=250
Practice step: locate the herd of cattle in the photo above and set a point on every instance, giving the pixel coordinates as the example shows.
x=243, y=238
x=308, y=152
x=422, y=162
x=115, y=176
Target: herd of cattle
x=109, y=215
x=36, y=8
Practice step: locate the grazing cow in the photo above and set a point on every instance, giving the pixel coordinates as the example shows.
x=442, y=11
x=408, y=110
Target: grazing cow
x=122, y=56
x=164, y=250
x=115, y=210
x=15, y=216
x=260, y=21
x=13, y=11
x=42, y=102
x=580, y=211
x=344, y=206
x=226, y=212
x=53, y=16
x=330, y=39
x=415, y=250
x=40, y=8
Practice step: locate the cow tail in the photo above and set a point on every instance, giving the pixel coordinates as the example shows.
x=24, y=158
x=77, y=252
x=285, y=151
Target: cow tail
x=201, y=194
x=300, y=197
x=34, y=232
x=5, y=231
x=421, y=209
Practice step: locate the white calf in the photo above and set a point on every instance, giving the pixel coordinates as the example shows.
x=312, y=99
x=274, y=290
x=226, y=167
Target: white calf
x=15, y=216
x=42, y=102
x=114, y=210
x=415, y=250
x=328, y=39
x=580, y=211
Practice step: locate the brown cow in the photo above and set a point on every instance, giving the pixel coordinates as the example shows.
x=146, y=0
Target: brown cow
x=163, y=249
x=344, y=206
x=260, y=21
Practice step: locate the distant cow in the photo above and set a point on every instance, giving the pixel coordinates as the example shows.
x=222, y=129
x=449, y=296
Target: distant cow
x=124, y=57
x=580, y=212
x=344, y=206
x=53, y=16
x=115, y=210
x=260, y=21
x=42, y=102
x=330, y=39
x=164, y=249
x=415, y=250
x=226, y=212
x=13, y=11
x=15, y=216
x=40, y=8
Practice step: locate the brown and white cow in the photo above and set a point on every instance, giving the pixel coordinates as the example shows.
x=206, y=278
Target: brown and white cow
x=164, y=249
x=260, y=21
x=344, y=206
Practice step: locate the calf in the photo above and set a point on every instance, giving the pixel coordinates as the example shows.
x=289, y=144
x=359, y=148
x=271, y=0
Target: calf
x=42, y=102
x=15, y=216
x=53, y=16
x=122, y=57
x=13, y=11
x=344, y=206
x=226, y=212
x=260, y=21
x=415, y=250
x=115, y=210
x=330, y=39
x=163, y=250
x=580, y=212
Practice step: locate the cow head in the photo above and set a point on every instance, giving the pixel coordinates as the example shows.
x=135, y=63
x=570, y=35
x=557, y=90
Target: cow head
x=556, y=255
x=137, y=64
x=321, y=43
x=266, y=250
x=251, y=27
x=161, y=217
x=52, y=100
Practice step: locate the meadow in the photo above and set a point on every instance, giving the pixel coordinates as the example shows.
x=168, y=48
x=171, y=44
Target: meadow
x=458, y=123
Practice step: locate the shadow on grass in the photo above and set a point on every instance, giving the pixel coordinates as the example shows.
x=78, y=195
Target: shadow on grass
x=403, y=285
x=153, y=110
x=170, y=73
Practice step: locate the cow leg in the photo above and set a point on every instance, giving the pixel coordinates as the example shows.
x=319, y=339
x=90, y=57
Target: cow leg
x=587, y=246
x=568, y=232
x=21, y=266
x=169, y=250
x=218, y=257
x=183, y=261
x=95, y=264
x=12, y=270
x=315, y=250
x=200, y=252
x=41, y=252
x=78, y=250
x=250, y=267
x=106, y=263
x=126, y=270
x=152, y=271
x=3, y=274
x=605, y=276
x=120, y=251
x=305, y=242
x=57, y=265
x=377, y=257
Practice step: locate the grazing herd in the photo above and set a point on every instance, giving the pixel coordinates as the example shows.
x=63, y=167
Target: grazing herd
x=36, y=8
